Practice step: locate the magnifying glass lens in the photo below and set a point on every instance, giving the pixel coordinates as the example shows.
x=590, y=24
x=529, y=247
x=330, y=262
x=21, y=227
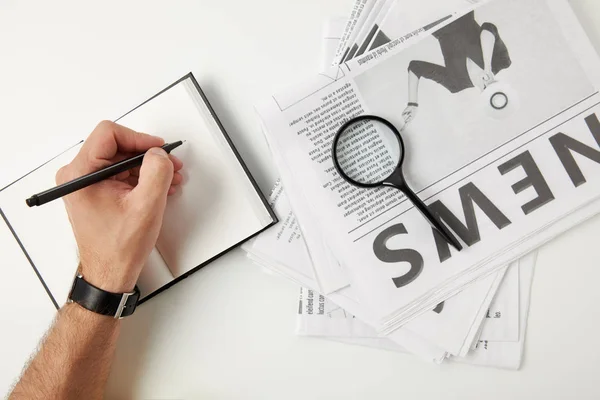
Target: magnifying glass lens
x=368, y=152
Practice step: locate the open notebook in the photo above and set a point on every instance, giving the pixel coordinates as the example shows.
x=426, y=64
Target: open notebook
x=218, y=208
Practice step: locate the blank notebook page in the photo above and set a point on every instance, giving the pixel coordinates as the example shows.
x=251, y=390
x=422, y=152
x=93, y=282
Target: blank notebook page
x=45, y=232
x=217, y=207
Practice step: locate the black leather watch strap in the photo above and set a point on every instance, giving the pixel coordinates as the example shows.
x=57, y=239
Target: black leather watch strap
x=117, y=305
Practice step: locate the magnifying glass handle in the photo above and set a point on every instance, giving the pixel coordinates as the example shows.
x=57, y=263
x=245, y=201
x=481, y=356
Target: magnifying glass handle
x=439, y=226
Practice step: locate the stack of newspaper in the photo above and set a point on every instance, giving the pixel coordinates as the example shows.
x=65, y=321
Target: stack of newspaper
x=504, y=180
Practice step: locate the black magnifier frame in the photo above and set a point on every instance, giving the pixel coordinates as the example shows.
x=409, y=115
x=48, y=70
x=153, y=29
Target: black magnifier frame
x=395, y=179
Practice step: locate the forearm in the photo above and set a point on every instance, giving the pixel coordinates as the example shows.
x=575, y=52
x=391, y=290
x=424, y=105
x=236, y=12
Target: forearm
x=413, y=87
x=488, y=41
x=74, y=359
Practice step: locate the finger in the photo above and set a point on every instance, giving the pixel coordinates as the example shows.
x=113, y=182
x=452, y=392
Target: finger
x=132, y=180
x=177, y=166
x=154, y=181
x=122, y=176
x=135, y=171
x=177, y=179
x=177, y=163
x=107, y=140
x=81, y=165
x=108, y=137
x=172, y=191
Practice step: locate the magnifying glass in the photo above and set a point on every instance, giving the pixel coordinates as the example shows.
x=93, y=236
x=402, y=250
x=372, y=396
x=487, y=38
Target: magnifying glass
x=368, y=152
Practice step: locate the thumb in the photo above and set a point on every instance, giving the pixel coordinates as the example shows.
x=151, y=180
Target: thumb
x=156, y=175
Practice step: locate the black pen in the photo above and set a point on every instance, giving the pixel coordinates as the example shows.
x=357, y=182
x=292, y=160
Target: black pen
x=95, y=177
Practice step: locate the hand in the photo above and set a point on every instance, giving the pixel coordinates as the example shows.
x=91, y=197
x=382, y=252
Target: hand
x=409, y=113
x=487, y=78
x=116, y=222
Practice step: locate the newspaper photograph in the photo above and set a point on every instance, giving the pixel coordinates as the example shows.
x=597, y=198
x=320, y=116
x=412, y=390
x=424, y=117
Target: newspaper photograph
x=394, y=22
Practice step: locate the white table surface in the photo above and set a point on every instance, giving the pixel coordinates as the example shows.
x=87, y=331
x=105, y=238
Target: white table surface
x=228, y=331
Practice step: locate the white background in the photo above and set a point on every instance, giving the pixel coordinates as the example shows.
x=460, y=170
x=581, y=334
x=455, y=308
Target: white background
x=227, y=331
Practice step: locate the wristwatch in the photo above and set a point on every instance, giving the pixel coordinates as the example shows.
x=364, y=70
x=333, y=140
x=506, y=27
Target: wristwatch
x=90, y=297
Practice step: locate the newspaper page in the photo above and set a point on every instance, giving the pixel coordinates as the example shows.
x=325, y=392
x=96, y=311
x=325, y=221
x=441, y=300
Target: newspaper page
x=336, y=324
x=451, y=326
x=328, y=271
x=402, y=17
x=378, y=13
x=318, y=316
x=366, y=32
x=507, y=354
x=502, y=317
x=360, y=8
x=333, y=29
x=393, y=19
x=514, y=173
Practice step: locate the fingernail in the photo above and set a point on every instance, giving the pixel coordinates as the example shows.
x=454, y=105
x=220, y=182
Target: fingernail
x=158, y=151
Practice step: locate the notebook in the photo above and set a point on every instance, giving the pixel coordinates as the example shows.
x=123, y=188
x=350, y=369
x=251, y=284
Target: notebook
x=218, y=207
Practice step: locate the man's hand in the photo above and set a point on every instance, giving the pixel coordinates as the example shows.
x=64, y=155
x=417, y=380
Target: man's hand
x=116, y=222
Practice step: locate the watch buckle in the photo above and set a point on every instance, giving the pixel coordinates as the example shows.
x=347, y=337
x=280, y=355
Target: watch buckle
x=122, y=305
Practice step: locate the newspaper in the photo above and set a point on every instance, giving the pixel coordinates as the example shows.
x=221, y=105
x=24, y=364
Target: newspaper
x=514, y=176
x=332, y=32
x=502, y=318
x=362, y=36
x=318, y=316
x=360, y=7
x=450, y=328
x=341, y=327
x=396, y=18
x=503, y=315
